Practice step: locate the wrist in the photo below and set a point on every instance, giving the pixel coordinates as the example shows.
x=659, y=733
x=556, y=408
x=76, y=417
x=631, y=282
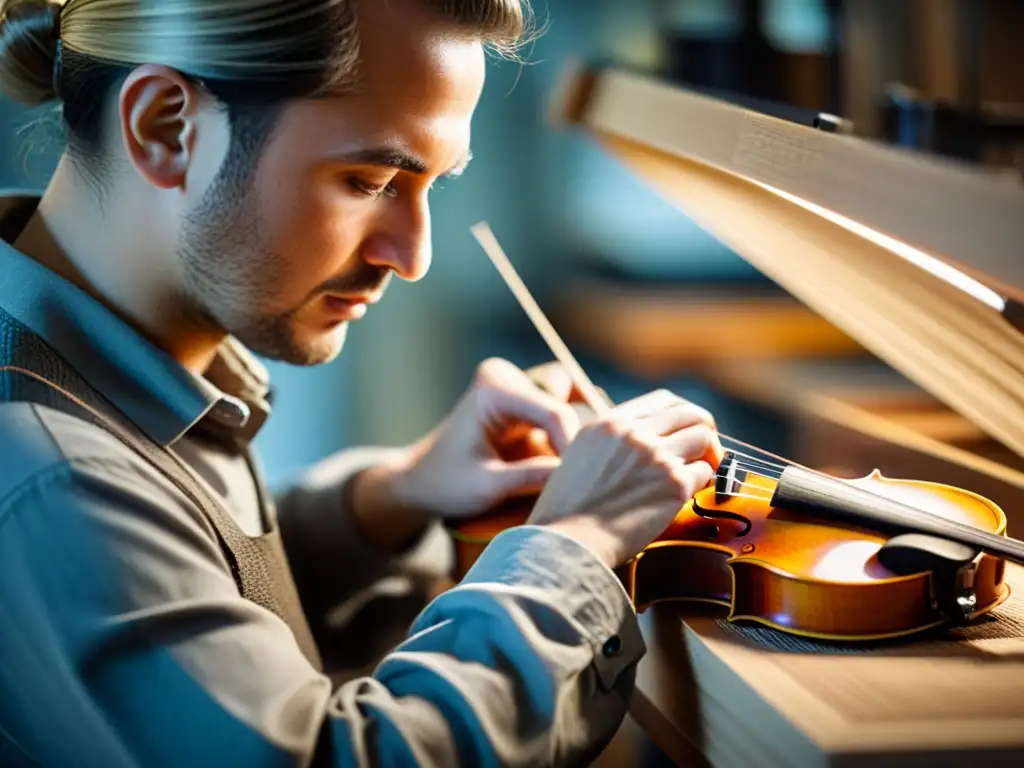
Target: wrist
x=601, y=543
x=379, y=509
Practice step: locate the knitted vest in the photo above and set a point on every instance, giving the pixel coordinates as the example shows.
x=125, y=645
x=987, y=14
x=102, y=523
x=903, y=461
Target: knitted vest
x=32, y=371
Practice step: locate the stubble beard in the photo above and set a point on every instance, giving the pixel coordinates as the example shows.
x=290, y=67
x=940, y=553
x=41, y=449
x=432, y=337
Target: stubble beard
x=229, y=273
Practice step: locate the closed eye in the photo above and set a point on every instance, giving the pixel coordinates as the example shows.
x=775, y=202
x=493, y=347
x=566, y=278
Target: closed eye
x=370, y=189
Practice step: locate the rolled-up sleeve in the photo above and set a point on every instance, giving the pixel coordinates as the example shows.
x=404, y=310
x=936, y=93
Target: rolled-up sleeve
x=122, y=630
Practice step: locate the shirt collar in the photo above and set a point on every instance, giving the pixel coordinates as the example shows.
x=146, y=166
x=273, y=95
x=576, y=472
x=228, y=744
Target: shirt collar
x=145, y=383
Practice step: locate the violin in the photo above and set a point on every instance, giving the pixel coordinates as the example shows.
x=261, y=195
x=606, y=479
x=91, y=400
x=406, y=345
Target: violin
x=805, y=553
x=787, y=547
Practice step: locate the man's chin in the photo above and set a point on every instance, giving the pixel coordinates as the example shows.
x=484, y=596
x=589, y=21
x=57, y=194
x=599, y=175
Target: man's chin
x=302, y=349
x=323, y=347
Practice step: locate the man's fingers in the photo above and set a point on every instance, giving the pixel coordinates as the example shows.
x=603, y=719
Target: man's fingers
x=679, y=415
x=507, y=394
x=556, y=418
x=692, y=443
x=693, y=477
x=519, y=478
x=644, y=405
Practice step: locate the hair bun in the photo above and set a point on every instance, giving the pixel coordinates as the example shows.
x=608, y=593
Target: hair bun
x=29, y=33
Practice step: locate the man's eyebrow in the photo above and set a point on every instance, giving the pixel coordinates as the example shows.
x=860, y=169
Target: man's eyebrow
x=386, y=157
x=403, y=161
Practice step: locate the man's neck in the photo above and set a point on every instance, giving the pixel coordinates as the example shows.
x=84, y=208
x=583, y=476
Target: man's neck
x=111, y=260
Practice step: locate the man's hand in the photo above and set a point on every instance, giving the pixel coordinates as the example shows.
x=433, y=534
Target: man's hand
x=626, y=476
x=502, y=440
x=613, y=485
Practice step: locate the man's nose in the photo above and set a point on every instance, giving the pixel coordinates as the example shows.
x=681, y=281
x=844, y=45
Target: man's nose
x=404, y=247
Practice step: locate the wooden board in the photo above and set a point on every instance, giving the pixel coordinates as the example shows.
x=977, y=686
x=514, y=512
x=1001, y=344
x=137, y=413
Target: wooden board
x=654, y=331
x=711, y=693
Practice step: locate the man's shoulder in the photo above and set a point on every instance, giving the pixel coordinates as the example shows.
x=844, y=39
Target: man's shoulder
x=37, y=440
x=66, y=475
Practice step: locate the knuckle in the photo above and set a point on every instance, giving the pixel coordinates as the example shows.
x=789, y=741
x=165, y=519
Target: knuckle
x=686, y=484
x=708, y=417
x=636, y=442
x=683, y=414
x=487, y=370
x=612, y=427
x=665, y=399
x=562, y=416
x=545, y=369
x=641, y=437
x=696, y=413
x=703, y=435
x=663, y=460
x=693, y=477
x=545, y=374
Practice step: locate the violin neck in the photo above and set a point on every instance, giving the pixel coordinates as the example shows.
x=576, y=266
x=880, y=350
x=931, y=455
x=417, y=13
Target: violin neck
x=803, y=490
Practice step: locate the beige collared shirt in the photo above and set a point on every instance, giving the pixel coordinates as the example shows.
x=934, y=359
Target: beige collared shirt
x=124, y=641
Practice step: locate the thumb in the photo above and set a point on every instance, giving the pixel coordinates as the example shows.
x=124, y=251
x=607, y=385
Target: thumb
x=553, y=378
x=519, y=478
x=529, y=404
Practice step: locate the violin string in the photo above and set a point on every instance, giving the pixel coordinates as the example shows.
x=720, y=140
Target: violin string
x=784, y=461
x=755, y=496
x=755, y=467
x=741, y=458
x=756, y=471
x=757, y=460
x=756, y=464
x=742, y=455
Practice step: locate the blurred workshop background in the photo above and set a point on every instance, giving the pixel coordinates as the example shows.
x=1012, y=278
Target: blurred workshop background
x=641, y=294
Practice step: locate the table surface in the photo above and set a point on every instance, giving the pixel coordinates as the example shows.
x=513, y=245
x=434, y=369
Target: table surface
x=711, y=693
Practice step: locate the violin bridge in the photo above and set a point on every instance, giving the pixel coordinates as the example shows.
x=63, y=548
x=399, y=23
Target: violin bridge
x=729, y=479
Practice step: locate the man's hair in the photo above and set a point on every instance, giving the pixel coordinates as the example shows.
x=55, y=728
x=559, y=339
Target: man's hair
x=251, y=55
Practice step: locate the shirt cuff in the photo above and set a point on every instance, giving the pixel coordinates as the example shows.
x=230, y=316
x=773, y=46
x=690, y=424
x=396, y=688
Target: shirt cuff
x=579, y=585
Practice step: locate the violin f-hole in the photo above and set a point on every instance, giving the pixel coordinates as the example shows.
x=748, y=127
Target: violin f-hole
x=720, y=514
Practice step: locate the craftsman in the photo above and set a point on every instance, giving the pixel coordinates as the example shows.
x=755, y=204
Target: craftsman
x=244, y=177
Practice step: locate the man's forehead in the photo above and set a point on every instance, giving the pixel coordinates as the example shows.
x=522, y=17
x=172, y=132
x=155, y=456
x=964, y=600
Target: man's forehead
x=356, y=130
x=408, y=53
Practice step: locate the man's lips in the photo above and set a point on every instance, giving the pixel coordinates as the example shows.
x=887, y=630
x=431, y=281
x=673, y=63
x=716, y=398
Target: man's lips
x=349, y=307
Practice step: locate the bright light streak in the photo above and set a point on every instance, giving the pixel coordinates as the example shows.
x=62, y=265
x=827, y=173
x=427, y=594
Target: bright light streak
x=925, y=261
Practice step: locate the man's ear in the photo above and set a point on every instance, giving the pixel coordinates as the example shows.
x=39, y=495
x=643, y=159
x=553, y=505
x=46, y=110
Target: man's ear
x=157, y=112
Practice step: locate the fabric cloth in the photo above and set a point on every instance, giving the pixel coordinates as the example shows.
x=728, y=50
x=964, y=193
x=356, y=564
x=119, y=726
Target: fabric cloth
x=124, y=639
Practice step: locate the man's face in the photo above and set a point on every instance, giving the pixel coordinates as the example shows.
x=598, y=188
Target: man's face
x=339, y=201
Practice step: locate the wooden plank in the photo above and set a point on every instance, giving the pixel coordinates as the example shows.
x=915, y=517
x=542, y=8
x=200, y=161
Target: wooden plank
x=964, y=215
x=741, y=699
x=660, y=330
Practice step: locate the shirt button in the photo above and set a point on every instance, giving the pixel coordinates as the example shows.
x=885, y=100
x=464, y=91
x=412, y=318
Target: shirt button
x=612, y=646
x=232, y=412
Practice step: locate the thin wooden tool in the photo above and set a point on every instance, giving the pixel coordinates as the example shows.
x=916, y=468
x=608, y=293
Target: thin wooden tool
x=593, y=397
x=591, y=394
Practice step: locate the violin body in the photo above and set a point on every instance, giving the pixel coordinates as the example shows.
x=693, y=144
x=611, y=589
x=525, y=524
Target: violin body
x=801, y=552
x=803, y=573
x=818, y=578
